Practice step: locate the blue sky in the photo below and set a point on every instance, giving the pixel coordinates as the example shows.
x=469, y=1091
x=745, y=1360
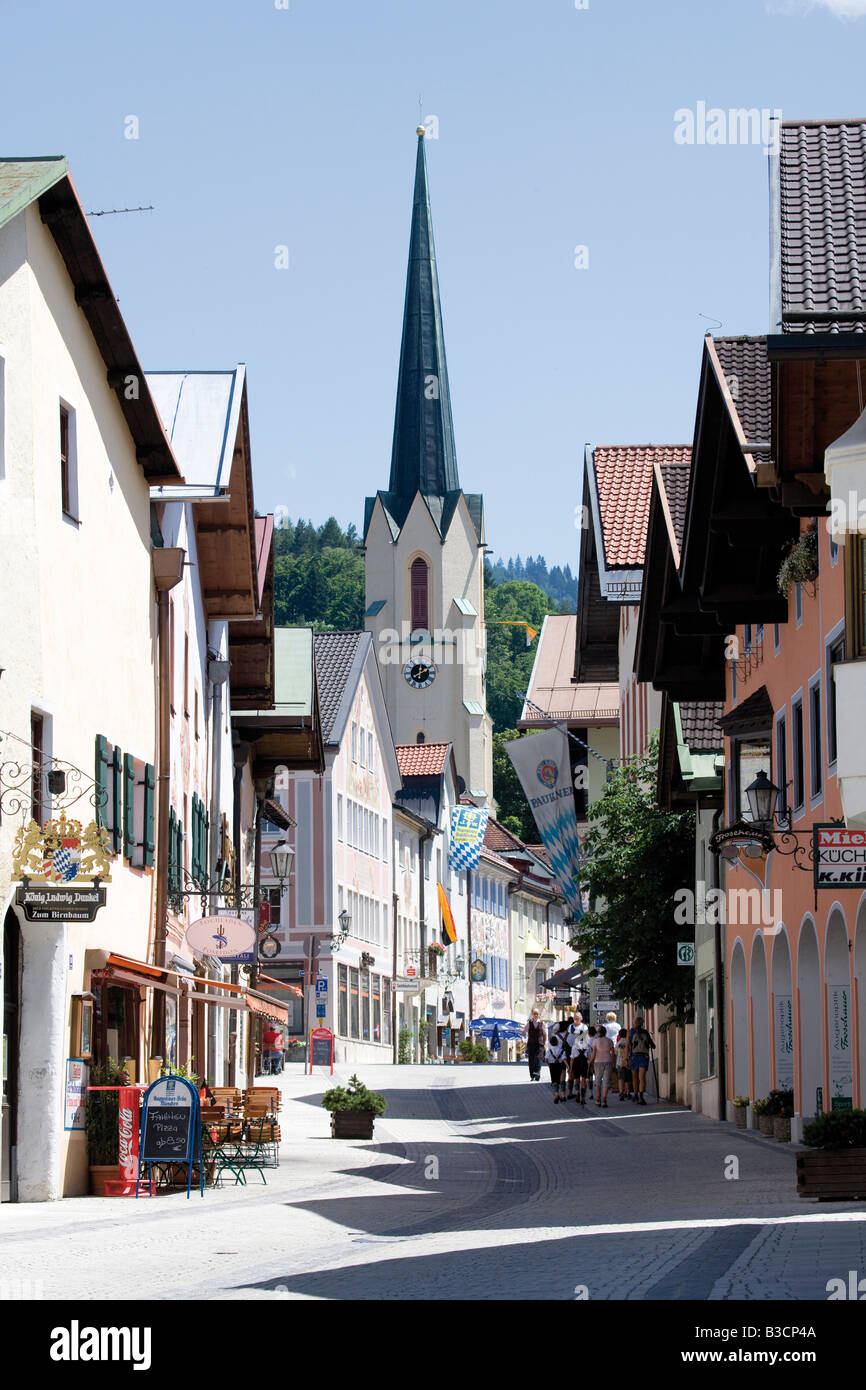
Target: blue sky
x=262, y=127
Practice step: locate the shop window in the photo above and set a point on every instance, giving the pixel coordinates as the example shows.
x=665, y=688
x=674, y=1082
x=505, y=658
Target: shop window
x=386, y=1009
x=365, y=1005
x=707, y=1017
x=343, y=1001
x=376, y=989
x=354, y=1011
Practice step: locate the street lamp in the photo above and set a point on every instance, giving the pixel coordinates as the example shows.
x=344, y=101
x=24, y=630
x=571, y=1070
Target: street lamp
x=281, y=857
x=762, y=797
x=345, y=920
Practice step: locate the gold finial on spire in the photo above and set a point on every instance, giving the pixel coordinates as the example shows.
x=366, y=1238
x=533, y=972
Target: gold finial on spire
x=420, y=131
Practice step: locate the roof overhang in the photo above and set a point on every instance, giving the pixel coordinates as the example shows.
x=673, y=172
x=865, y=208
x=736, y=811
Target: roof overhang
x=63, y=215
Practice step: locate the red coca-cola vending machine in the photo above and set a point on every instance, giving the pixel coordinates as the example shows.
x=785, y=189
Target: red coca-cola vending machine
x=129, y=1127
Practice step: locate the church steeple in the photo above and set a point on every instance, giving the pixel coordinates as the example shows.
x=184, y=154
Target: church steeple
x=423, y=458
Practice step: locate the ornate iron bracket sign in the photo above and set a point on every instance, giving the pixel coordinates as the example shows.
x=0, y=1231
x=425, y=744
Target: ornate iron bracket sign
x=239, y=896
x=65, y=784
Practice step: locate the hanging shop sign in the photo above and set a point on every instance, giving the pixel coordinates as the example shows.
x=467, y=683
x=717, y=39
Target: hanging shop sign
x=54, y=863
x=477, y=972
x=839, y=857
x=269, y=947
x=227, y=936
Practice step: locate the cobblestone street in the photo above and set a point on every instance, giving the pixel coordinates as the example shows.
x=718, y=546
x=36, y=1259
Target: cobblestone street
x=475, y=1186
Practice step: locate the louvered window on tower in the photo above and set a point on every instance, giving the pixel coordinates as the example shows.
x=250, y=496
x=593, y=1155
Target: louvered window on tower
x=420, y=606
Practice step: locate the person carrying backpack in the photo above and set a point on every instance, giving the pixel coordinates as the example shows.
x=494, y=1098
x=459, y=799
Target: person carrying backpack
x=556, y=1057
x=641, y=1045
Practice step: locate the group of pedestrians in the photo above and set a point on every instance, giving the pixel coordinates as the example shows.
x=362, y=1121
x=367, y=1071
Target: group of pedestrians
x=588, y=1060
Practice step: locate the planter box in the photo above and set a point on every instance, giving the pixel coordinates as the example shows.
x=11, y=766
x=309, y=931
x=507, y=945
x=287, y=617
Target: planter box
x=832, y=1175
x=740, y=1116
x=782, y=1128
x=98, y=1174
x=352, y=1124
x=765, y=1125
x=295, y=1054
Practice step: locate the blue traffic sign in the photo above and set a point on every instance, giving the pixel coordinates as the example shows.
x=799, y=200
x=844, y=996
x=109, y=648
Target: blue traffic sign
x=321, y=984
x=320, y=1010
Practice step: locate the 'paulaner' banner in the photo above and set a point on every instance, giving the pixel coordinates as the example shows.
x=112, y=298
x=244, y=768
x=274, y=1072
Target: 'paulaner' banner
x=542, y=763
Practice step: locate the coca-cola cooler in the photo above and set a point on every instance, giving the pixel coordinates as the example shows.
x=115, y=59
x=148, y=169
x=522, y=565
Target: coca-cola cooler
x=129, y=1127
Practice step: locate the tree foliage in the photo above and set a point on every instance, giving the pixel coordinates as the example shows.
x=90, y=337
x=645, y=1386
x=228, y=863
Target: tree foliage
x=318, y=576
x=509, y=659
x=558, y=583
x=636, y=856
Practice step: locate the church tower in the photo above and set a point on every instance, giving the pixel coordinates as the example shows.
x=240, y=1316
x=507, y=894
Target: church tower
x=424, y=542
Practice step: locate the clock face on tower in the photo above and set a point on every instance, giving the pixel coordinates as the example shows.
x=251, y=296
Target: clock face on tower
x=419, y=674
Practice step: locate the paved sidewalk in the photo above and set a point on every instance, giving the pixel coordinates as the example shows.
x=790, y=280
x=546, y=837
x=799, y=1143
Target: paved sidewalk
x=471, y=1169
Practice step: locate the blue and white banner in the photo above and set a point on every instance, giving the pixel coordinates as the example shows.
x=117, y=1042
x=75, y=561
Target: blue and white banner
x=543, y=765
x=468, y=824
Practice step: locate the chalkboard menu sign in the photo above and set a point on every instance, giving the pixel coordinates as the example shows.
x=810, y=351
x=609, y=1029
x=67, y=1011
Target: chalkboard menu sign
x=166, y=1134
x=321, y=1048
x=170, y=1123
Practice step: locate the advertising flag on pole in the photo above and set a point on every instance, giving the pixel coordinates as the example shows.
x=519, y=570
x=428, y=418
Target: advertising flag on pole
x=468, y=824
x=543, y=765
x=449, y=931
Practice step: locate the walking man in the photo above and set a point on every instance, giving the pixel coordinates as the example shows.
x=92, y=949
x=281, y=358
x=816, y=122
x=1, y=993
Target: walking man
x=535, y=1034
x=556, y=1057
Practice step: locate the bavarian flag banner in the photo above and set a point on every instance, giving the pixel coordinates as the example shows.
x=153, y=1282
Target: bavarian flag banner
x=446, y=917
x=543, y=765
x=468, y=824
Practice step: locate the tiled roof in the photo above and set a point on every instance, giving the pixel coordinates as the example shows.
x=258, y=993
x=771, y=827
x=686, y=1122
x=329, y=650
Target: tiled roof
x=747, y=371
x=675, y=481
x=820, y=226
x=496, y=837
x=335, y=657
x=552, y=687
x=493, y=858
x=624, y=481
x=422, y=759
x=701, y=729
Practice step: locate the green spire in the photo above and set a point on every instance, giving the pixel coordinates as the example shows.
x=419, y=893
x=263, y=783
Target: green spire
x=423, y=458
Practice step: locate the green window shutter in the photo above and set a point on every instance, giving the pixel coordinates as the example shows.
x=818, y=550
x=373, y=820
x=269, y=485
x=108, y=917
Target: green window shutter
x=149, y=814
x=102, y=761
x=205, y=837
x=196, y=836
x=178, y=852
x=172, y=846
x=117, y=799
x=128, y=805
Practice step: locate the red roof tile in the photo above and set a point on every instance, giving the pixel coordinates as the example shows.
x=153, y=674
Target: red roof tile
x=624, y=475
x=422, y=759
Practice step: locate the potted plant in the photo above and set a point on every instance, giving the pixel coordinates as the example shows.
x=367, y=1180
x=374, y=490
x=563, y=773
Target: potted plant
x=101, y=1112
x=780, y=1108
x=741, y=1105
x=296, y=1050
x=353, y=1109
x=762, y=1114
x=834, y=1169
x=800, y=565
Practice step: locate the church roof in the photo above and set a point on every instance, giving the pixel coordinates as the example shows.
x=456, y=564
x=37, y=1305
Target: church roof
x=423, y=456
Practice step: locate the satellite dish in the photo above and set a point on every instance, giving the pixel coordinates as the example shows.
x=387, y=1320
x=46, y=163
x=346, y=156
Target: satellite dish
x=461, y=786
